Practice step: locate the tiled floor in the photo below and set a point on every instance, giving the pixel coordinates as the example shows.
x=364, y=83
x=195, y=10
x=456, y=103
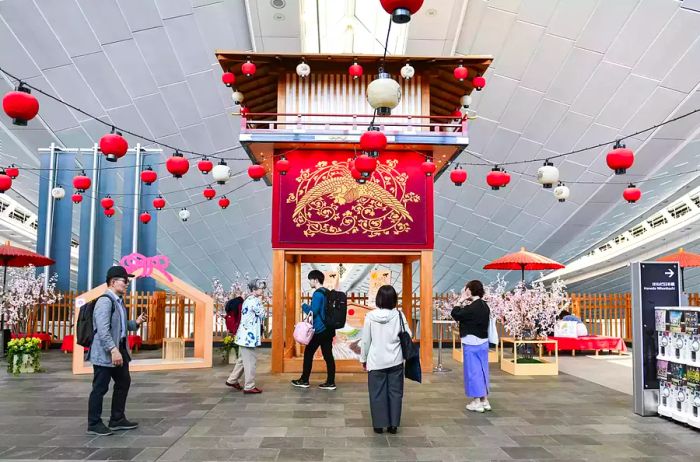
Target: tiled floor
x=192, y=416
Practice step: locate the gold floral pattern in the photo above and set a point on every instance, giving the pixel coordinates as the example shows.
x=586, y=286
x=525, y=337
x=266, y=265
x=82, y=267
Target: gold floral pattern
x=329, y=201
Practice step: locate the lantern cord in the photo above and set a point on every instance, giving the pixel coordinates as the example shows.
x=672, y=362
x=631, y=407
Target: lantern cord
x=386, y=44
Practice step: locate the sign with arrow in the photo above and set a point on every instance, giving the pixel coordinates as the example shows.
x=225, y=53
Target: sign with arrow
x=653, y=284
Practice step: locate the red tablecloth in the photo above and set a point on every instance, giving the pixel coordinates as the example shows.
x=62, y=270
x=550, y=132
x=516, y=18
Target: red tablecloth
x=67, y=344
x=45, y=338
x=589, y=342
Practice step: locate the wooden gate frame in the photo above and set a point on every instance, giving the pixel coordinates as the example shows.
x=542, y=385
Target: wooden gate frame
x=286, y=299
x=203, y=330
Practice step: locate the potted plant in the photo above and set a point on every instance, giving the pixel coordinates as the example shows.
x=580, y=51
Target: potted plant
x=229, y=350
x=23, y=355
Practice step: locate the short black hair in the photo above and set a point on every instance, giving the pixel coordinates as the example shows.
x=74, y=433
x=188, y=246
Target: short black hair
x=387, y=298
x=316, y=274
x=476, y=287
x=563, y=314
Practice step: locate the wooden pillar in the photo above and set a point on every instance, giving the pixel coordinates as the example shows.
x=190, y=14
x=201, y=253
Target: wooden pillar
x=277, y=365
x=199, y=333
x=426, y=310
x=407, y=291
x=289, y=306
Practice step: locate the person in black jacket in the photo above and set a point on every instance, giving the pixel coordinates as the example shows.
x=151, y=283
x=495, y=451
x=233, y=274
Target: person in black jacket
x=472, y=313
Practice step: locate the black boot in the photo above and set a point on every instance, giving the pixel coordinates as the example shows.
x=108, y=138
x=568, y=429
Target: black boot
x=378, y=430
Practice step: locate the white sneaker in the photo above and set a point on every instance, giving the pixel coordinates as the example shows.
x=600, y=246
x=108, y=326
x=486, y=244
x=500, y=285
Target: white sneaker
x=487, y=406
x=475, y=406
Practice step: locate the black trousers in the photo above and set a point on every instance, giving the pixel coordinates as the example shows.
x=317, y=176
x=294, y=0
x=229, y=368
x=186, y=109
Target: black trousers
x=100, y=385
x=386, y=396
x=325, y=341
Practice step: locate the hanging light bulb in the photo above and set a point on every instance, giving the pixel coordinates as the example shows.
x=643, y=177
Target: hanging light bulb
x=548, y=174
x=184, y=214
x=562, y=192
x=407, y=71
x=221, y=173
x=303, y=69
x=383, y=94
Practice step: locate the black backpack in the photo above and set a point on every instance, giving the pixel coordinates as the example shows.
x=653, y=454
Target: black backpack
x=336, y=310
x=85, y=331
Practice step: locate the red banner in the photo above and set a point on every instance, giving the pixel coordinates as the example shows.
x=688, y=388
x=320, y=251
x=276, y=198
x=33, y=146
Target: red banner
x=319, y=205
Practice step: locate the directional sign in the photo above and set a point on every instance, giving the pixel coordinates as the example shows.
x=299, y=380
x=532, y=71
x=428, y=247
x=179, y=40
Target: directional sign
x=669, y=273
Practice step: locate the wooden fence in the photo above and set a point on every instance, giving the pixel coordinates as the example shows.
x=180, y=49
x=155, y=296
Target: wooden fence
x=172, y=315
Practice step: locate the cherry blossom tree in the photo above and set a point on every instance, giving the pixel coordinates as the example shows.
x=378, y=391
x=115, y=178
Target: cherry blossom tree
x=25, y=294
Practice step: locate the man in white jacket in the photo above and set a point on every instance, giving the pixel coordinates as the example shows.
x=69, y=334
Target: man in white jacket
x=381, y=356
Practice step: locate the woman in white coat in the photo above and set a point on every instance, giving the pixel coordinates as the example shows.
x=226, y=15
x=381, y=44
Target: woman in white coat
x=381, y=356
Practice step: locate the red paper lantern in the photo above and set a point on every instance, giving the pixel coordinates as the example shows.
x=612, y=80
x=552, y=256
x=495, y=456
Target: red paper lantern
x=77, y=198
x=205, y=165
x=506, y=179
x=224, y=202
x=497, y=179
x=461, y=73
x=401, y=10
x=351, y=312
x=428, y=167
x=159, y=203
x=109, y=213
x=632, y=193
x=12, y=171
x=365, y=165
x=282, y=166
x=479, y=82
x=178, y=165
x=148, y=176
x=145, y=217
x=245, y=111
x=20, y=105
x=357, y=175
x=248, y=68
x=373, y=141
x=5, y=181
x=82, y=182
x=107, y=202
x=113, y=146
x=228, y=78
x=620, y=158
x=456, y=114
x=355, y=70
x=458, y=176
x=209, y=193
x=256, y=172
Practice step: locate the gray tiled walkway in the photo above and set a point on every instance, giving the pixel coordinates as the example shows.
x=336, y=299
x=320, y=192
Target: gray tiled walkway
x=192, y=416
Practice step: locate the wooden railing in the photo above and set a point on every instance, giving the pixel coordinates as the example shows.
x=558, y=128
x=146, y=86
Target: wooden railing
x=172, y=315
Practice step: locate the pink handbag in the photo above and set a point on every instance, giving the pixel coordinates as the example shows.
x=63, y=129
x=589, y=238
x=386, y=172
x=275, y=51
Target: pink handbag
x=304, y=330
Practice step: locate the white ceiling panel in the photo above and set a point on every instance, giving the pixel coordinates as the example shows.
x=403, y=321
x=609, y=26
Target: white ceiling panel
x=673, y=42
x=546, y=62
x=106, y=20
x=172, y=8
x=520, y=192
x=131, y=68
x=159, y=55
x=573, y=75
x=14, y=56
x=102, y=78
x=53, y=114
x=181, y=104
x=140, y=15
x=520, y=108
x=640, y=30
x=223, y=26
x=191, y=52
x=501, y=144
x=517, y=52
x=628, y=98
x=544, y=120
x=683, y=75
x=492, y=32
x=492, y=103
x=70, y=26
x=567, y=133
x=71, y=86
x=570, y=17
x=537, y=11
x=604, y=24
x=154, y=112
x=506, y=214
x=604, y=81
x=660, y=104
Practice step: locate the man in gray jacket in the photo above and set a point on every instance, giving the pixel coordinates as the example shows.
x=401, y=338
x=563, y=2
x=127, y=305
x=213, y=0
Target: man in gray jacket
x=109, y=354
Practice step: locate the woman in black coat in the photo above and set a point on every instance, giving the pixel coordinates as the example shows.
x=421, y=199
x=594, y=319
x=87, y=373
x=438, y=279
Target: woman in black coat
x=472, y=313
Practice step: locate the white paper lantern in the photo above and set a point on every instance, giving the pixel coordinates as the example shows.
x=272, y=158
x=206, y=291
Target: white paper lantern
x=465, y=101
x=383, y=94
x=303, y=69
x=548, y=174
x=184, y=214
x=407, y=71
x=221, y=173
x=562, y=192
x=237, y=97
x=58, y=193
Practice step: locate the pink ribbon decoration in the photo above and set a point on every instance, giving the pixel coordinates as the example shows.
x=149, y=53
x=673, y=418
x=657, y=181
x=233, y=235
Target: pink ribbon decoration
x=147, y=264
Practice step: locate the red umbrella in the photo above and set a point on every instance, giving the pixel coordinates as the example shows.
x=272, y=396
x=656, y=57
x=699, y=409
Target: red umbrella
x=685, y=260
x=11, y=256
x=523, y=260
